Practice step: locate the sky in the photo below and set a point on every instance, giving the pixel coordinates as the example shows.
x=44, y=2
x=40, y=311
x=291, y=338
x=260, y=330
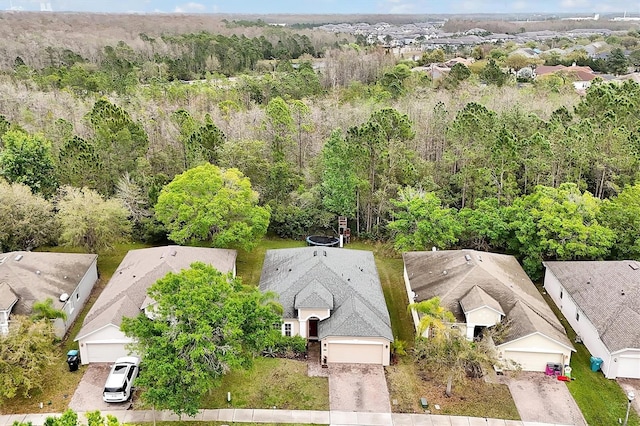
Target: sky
x=330, y=6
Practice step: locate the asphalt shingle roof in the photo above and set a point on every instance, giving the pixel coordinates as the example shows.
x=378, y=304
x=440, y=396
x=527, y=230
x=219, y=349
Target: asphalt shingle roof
x=452, y=274
x=37, y=276
x=608, y=294
x=349, y=276
x=126, y=292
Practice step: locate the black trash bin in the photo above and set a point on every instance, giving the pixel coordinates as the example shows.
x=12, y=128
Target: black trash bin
x=73, y=359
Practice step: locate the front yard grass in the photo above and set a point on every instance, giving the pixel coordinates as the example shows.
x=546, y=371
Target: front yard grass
x=271, y=383
x=601, y=400
x=473, y=397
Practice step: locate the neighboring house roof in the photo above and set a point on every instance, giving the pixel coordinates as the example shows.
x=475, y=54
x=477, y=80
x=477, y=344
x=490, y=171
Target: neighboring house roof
x=37, y=276
x=313, y=273
x=548, y=69
x=452, y=275
x=608, y=294
x=126, y=293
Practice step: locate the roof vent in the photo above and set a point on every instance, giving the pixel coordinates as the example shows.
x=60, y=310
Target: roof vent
x=467, y=257
x=444, y=272
x=18, y=257
x=479, y=258
x=38, y=272
x=173, y=252
x=325, y=252
x=315, y=253
x=64, y=297
x=634, y=266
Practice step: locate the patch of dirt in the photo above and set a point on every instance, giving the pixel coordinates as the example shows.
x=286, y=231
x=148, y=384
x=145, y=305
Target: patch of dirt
x=632, y=385
x=542, y=398
x=88, y=395
x=358, y=387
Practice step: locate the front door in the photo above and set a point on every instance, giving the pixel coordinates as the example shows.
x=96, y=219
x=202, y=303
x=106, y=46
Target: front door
x=313, y=329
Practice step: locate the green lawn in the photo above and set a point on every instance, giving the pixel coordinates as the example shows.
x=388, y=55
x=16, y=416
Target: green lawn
x=271, y=382
x=249, y=264
x=602, y=401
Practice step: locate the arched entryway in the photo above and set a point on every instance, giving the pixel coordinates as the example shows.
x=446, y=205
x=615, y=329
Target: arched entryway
x=312, y=328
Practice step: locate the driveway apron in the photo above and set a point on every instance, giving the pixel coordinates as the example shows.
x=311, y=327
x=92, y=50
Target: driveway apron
x=358, y=387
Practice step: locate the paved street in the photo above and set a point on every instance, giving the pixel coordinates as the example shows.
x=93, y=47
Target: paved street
x=335, y=418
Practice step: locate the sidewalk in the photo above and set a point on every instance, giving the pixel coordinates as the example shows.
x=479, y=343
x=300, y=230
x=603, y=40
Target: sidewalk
x=335, y=418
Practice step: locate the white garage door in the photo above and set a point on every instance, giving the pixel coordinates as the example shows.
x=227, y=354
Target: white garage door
x=105, y=352
x=533, y=361
x=352, y=353
x=629, y=366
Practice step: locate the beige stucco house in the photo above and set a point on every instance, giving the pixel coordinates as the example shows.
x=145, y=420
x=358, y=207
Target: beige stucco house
x=482, y=289
x=28, y=277
x=125, y=295
x=334, y=296
x=601, y=302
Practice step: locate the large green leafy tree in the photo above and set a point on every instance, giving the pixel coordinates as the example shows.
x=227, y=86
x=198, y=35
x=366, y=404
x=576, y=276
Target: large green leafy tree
x=209, y=204
x=88, y=220
x=27, y=221
x=556, y=223
x=27, y=354
x=622, y=214
x=27, y=159
x=420, y=222
x=205, y=324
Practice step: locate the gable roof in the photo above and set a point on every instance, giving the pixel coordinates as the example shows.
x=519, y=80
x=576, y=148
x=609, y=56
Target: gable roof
x=37, y=276
x=349, y=276
x=477, y=298
x=608, y=294
x=452, y=274
x=314, y=295
x=126, y=292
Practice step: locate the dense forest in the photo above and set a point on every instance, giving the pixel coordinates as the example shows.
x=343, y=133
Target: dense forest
x=321, y=126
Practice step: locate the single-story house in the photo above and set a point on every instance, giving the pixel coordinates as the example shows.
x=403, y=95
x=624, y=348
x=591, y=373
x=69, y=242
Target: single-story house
x=125, y=295
x=601, y=301
x=334, y=296
x=28, y=277
x=482, y=289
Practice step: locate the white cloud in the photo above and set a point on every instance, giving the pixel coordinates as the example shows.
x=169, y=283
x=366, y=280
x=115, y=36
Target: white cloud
x=190, y=7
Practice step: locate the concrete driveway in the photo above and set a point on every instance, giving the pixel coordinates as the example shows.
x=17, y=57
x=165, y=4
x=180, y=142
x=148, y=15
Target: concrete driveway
x=358, y=387
x=88, y=395
x=542, y=398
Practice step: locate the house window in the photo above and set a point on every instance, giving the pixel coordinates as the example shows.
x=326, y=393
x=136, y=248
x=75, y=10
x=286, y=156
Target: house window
x=561, y=293
x=577, y=316
x=287, y=330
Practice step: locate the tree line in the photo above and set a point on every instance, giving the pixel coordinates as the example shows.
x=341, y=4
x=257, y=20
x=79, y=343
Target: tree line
x=509, y=166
